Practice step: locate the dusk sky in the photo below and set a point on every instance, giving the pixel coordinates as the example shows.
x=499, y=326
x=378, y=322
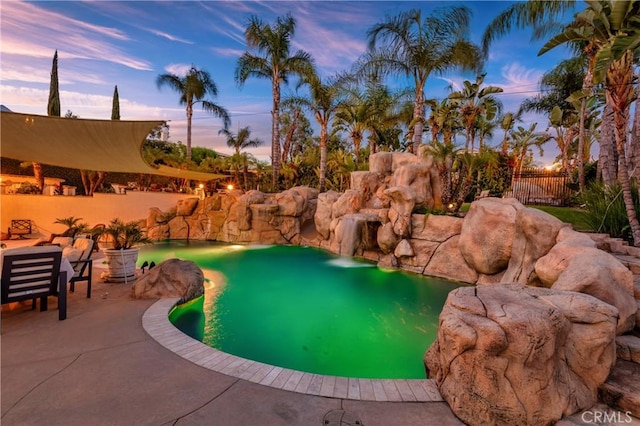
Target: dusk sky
x=106, y=43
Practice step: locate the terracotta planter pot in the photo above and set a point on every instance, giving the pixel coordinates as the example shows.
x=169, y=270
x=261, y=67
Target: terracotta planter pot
x=121, y=265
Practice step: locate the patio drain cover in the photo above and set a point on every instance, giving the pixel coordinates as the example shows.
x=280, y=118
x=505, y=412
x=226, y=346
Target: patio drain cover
x=341, y=418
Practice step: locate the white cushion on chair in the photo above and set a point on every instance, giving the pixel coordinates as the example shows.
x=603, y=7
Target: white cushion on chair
x=62, y=241
x=84, y=244
x=72, y=254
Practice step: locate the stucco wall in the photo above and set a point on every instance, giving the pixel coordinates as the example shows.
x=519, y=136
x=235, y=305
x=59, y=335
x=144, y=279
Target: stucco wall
x=43, y=210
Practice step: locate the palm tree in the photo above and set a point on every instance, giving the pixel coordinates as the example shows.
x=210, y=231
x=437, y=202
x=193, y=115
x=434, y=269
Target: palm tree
x=386, y=109
x=443, y=156
x=239, y=142
x=289, y=172
x=507, y=121
x=418, y=48
x=273, y=61
x=324, y=100
x=536, y=14
x=290, y=126
x=372, y=111
x=612, y=32
x=587, y=40
x=444, y=119
x=193, y=88
x=485, y=129
x=469, y=164
x=476, y=101
x=342, y=164
x=352, y=119
x=559, y=86
x=564, y=122
x=522, y=142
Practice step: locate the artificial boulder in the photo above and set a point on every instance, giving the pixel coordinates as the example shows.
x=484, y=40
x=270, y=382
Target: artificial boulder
x=381, y=162
x=386, y=238
x=322, y=216
x=402, y=204
x=536, y=233
x=368, y=183
x=348, y=203
x=488, y=232
x=434, y=227
x=187, y=206
x=511, y=354
x=179, y=228
x=565, y=268
x=403, y=249
x=291, y=203
x=418, y=177
x=171, y=278
x=240, y=212
x=447, y=262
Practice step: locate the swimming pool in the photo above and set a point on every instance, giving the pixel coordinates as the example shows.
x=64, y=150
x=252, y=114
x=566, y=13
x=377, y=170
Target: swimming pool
x=304, y=309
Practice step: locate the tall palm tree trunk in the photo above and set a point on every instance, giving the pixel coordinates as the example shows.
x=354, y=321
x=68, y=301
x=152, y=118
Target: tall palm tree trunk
x=189, y=117
x=634, y=144
x=467, y=139
x=289, y=137
x=581, y=136
x=586, y=85
x=608, y=156
x=39, y=176
x=357, y=141
x=618, y=92
x=245, y=176
x=275, y=133
x=323, y=157
x=418, y=114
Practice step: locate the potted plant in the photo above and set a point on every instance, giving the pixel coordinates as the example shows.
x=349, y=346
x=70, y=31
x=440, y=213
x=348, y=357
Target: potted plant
x=73, y=226
x=122, y=258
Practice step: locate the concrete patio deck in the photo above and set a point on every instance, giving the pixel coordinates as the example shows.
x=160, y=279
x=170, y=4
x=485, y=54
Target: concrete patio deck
x=100, y=367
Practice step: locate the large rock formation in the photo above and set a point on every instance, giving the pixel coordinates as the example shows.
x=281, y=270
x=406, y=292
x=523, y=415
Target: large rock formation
x=536, y=233
x=573, y=265
x=402, y=204
x=546, y=350
x=511, y=354
x=171, y=278
x=488, y=232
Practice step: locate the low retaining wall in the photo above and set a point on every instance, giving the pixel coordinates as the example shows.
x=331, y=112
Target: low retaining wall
x=43, y=210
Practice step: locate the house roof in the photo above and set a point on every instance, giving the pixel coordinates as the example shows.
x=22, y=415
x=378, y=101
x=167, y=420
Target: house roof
x=105, y=145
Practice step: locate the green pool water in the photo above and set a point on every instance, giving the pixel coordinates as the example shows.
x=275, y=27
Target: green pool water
x=308, y=310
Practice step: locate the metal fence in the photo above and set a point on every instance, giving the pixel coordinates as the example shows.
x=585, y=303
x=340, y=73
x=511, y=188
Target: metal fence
x=541, y=187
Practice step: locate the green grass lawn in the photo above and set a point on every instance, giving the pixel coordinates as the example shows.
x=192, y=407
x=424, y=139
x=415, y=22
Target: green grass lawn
x=571, y=215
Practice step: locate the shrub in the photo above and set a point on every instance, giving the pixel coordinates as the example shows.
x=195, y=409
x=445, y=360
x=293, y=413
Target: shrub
x=605, y=210
x=28, y=188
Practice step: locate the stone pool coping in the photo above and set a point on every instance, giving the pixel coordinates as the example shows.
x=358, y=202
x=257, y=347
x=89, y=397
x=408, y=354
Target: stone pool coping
x=156, y=323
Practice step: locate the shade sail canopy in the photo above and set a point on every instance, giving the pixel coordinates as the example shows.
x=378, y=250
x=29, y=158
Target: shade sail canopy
x=105, y=145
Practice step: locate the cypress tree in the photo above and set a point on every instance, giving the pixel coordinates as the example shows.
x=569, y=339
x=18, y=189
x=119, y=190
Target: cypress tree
x=53, y=107
x=115, y=109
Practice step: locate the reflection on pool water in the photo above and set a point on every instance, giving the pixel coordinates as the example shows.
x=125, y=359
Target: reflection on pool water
x=308, y=310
